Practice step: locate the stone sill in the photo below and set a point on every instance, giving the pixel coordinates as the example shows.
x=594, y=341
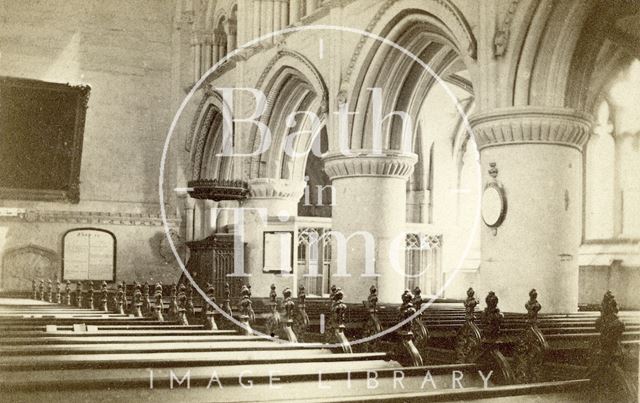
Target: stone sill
x=605, y=252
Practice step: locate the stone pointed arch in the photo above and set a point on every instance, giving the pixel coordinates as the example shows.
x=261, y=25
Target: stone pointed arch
x=214, y=13
x=206, y=140
x=445, y=15
x=553, y=52
x=291, y=84
x=404, y=82
x=201, y=10
x=22, y=264
x=297, y=61
x=554, y=62
x=589, y=77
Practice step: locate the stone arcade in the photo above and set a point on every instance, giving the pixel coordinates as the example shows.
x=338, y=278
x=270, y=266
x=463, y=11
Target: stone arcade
x=323, y=171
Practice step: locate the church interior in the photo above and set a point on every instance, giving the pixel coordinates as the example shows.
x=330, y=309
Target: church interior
x=319, y=200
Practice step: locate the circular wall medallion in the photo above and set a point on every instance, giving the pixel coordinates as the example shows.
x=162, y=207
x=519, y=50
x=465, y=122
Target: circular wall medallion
x=494, y=205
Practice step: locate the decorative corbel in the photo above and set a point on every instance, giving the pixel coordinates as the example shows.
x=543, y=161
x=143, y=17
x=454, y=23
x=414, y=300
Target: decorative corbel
x=501, y=36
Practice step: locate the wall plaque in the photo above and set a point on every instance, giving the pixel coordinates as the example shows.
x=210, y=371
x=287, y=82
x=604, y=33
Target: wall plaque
x=278, y=251
x=88, y=254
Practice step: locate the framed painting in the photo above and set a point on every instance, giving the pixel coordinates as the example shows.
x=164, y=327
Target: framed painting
x=41, y=134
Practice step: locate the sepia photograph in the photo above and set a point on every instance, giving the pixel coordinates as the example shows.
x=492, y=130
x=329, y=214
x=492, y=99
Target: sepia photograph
x=319, y=201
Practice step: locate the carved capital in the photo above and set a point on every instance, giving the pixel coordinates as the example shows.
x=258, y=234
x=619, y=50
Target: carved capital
x=531, y=125
x=270, y=188
x=232, y=23
x=189, y=203
x=364, y=163
x=201, y=37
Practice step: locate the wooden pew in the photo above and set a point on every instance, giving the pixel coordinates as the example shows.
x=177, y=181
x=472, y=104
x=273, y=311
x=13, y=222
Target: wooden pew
x=29, y=370
x=30, y=364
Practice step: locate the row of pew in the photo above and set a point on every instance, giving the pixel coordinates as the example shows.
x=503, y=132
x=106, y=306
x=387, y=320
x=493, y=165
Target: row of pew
x=122, y=343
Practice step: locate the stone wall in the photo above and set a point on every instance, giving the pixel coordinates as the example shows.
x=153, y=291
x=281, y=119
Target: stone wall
x=122, y=50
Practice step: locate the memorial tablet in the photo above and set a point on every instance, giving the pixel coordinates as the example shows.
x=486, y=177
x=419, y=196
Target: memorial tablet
x=278, y=252
x=89, y=254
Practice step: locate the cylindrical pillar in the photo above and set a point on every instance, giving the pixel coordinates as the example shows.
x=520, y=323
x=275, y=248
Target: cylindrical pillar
x=257, y=18
x=188, y=216
x=206, y=47
x=209, y=218
x=311, y=7
x=369, y=218
x=272, y=205
x=267, y=18
x=284, y=13
x=232, y=38
x=294, y=11
x=196, y=48
x=198, y=219
x=279, y=197
x=217, y=48
x=538, y=156
x=225, y=215
x=275, y=24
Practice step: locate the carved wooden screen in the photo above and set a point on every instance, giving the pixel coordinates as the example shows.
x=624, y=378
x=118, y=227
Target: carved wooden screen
x=211, y=260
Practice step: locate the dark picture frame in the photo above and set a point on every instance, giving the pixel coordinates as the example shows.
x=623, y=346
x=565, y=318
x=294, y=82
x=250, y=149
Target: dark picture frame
x=71, y=125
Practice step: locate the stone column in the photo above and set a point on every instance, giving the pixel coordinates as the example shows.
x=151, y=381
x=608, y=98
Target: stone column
x=370, y=197
x=275, y=23
x=279, y=196
x=225, y=215
x=232, y=38
x=424, y=206
x=207, y=49
x=198, y=219
x=215, y=48
x=188, y=217
x=311, y=7
x=257, y=18
x=210, y=216
x=284, y=13
x=196, y=49
x=294, y=11
x=266, y=25
x=538, y=155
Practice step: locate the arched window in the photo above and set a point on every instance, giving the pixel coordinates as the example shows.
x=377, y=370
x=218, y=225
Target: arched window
x=625, y=115
x=600, y=178
x=422, y=262
x=318, y=195
x=232, y=29
x=314, y=260
x=612, y=163
x=220, y=40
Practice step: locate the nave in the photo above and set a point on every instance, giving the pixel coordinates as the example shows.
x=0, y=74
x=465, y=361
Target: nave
x=71, y=343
